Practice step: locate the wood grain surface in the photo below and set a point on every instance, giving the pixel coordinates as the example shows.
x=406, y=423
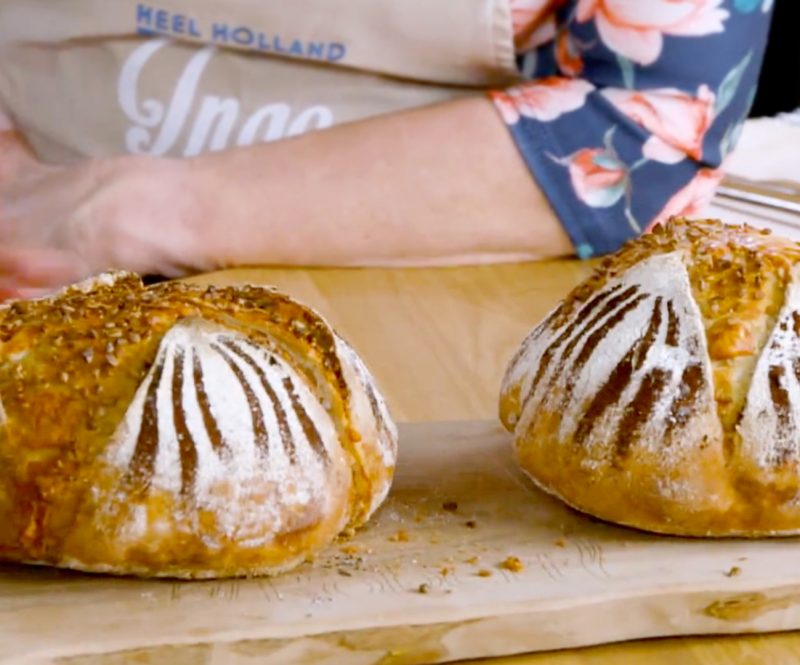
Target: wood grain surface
x=438, y=341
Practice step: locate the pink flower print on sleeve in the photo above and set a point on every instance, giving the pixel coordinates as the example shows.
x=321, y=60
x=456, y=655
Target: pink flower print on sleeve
x=504, y=103
x=693, y=198
x=533, y=22
x=545, y=99
x=568, y=55
x=636, y=28
x=678, y=122
x=629, y=102
x=599, y=178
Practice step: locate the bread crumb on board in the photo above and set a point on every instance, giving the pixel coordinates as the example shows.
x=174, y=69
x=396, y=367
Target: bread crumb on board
x=400, y=536
x=473, y=560
x=560, y=542
x=471, y=524
x=483, y=572
x=735, y=571
x=424, y=588
x=450, y=506
x=512, y=564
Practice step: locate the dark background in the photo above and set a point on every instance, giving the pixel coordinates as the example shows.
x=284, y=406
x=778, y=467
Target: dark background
x=779, y=83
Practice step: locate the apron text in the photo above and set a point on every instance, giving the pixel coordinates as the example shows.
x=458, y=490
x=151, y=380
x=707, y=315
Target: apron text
x=213, y=123
x=152, y=21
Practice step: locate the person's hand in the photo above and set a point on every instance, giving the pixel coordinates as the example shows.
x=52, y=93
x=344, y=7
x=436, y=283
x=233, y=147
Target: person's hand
x=60, y=224
x=392, y=190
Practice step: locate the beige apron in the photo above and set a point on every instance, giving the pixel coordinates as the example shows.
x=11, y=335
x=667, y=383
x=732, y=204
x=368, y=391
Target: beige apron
x=103, y=77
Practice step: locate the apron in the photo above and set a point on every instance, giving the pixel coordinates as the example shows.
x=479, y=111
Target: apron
x=96, y=78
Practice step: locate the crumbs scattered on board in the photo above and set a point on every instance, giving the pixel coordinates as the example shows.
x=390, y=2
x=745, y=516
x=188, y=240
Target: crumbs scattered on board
x=400, y=536
x=450, y=506
x=423, y=588
x=735, y=571
x=512, y=564
x=483, y=572
x=345, y=564
x=560, y=542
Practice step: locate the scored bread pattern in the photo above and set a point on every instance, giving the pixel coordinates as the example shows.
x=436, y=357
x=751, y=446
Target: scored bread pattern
x=770, y=427
x=184, y=431
x=370, y=415
x=216, y=410
x=357, y=374
x=664, y=391
x=630, y=366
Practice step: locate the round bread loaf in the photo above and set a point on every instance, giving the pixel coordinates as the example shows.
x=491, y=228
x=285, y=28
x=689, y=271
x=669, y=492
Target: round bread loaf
x=182, y=431
x=664, y=392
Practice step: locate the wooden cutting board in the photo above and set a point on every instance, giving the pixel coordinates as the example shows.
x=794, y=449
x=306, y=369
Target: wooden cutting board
x=422, y=583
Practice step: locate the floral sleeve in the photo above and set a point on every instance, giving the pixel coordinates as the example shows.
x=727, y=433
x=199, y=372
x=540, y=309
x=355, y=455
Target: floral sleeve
x=632, y=106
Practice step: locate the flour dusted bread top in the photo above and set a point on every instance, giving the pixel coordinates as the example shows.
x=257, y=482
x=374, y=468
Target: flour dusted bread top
x=664, y=392
x=182, y=431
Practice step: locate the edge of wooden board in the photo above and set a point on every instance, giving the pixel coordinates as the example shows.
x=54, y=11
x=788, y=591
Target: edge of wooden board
x=676, y=612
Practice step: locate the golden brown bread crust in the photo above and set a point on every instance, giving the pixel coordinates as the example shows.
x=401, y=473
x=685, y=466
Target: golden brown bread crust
x=99, y=388
x=664, y=392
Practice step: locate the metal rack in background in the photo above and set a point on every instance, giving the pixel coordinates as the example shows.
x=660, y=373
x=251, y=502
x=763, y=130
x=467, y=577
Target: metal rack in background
x=776, y=194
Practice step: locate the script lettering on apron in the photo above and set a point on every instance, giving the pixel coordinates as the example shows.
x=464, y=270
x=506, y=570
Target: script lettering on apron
x=216, y=122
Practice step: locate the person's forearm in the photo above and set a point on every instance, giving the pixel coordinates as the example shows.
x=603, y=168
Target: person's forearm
x=439, y=185
x=435, y=186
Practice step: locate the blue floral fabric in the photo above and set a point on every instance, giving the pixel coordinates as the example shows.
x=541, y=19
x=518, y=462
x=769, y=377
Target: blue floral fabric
x=631, y=107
